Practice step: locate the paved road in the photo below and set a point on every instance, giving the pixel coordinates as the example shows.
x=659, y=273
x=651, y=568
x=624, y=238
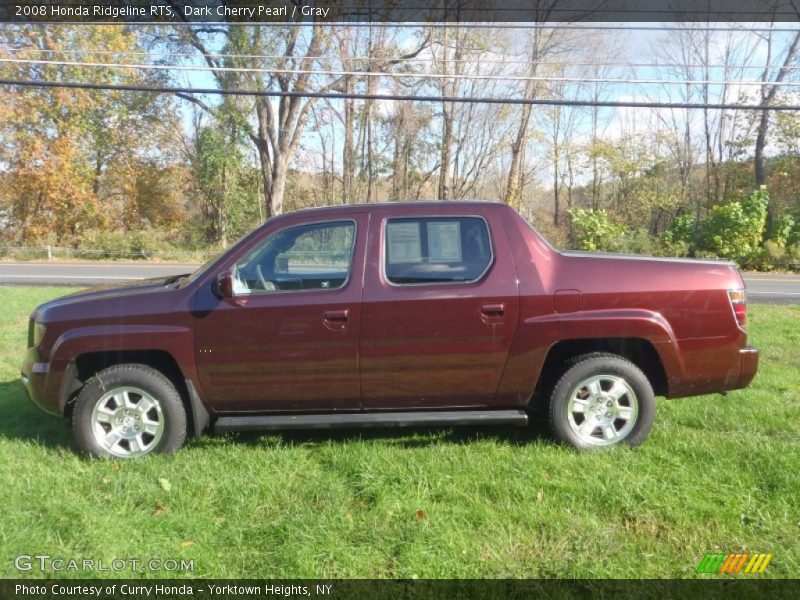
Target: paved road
x=762, y=287
x=91, y=273
x=772, y=288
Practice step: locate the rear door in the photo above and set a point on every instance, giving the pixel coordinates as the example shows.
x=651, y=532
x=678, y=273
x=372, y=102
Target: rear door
x=440, y=308
x=289, y=339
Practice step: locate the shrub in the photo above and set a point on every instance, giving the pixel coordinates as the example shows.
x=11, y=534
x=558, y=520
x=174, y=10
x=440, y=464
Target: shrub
x=104, y=244
x=679, y=249
x=781, y=229
x=793, y=238
x=792, y=258
x=592, y=230
x=758, y=260
x=782, y=257
x=640, y=241
x=124, y=244
x=149, y=242
x=681, y=230
x=735, y=230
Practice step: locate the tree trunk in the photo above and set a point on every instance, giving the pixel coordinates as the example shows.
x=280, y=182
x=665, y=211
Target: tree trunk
x=767, y=98
x=447, y=141
x=279, y=171
x=261, y=142
x=761, y=143
x=595, y=167
x=347, y=149
x=556, y=199
x=513, y=188
x=368, y=123
x=447, y=88
x=513, y=191
x=266, y=177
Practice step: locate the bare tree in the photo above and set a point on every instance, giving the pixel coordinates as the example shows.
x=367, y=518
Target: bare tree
x=768, y=95
x=279, y=125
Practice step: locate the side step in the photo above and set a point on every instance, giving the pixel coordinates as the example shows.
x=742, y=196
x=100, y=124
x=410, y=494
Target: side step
x=372, y=419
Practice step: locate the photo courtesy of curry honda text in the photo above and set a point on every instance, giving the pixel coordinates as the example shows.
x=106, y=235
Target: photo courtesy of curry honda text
x=390, y=314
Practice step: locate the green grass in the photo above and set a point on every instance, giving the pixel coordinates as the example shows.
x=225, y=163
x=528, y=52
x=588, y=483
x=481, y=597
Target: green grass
x=717, y=474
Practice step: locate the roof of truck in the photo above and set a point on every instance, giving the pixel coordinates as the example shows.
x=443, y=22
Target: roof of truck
x=401, y=207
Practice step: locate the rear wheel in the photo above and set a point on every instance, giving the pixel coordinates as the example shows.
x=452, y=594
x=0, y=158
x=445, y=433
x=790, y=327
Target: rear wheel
x=128, y=411
x=602, y=400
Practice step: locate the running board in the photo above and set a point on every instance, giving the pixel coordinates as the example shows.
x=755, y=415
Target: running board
x=371, y=419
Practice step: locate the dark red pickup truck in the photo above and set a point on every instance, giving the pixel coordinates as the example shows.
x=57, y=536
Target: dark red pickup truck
x=391, y=314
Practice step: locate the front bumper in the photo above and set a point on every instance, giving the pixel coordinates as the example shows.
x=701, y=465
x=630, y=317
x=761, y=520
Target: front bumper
x=34, y=378
x=748, y=366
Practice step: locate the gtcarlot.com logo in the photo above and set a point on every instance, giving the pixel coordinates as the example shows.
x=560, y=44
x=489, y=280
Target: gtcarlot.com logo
x=734, y=563
x=45, y=562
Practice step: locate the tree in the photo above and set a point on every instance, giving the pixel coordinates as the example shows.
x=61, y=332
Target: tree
x=735, y=230
x=220, y=172
x=767, y=99
x=279, y=125
x=541, y=43
x=64, y=150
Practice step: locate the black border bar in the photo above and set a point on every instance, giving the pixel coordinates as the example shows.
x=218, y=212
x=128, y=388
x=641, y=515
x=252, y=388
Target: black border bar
x=397, y=11
x=729, y=588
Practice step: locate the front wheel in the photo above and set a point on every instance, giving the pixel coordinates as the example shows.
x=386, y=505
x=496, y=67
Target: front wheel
x=602, y=400
x=128, y=411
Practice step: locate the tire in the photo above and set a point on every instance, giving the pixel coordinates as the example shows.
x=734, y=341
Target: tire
x=601, y=400
x=128, y=411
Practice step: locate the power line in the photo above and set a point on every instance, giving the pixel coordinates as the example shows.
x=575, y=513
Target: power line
x=342, y=73
x=398, y=97
x=396, y=59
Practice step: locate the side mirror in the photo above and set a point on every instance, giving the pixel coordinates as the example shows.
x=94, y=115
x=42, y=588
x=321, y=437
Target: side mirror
x=225, y=284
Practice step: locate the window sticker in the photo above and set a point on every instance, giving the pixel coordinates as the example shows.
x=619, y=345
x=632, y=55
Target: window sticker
x=404, y=242
x=444, y=241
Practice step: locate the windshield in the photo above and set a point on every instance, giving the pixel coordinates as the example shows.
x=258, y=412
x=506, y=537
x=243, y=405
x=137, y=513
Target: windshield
x=204, y=268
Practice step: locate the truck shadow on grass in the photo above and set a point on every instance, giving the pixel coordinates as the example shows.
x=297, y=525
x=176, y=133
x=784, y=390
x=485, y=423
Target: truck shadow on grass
x=408, y=437
x=21, y=420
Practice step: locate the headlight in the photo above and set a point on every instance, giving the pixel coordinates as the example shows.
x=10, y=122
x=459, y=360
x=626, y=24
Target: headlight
x=38, y=333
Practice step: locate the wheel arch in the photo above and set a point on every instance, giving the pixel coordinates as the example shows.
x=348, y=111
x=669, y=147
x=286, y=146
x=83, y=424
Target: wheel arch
x=639, y=351
x=84, y=366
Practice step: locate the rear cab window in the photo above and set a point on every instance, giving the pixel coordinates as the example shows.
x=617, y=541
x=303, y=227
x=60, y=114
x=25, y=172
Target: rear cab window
x=420, y=250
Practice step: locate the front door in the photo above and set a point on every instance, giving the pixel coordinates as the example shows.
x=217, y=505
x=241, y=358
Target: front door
x=440, y=309
x=288, y=340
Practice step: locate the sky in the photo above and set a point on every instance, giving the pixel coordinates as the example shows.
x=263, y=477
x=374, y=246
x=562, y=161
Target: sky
x=634, y=46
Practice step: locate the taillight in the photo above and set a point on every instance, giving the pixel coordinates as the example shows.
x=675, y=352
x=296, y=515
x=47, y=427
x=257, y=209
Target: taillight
x=739, y=304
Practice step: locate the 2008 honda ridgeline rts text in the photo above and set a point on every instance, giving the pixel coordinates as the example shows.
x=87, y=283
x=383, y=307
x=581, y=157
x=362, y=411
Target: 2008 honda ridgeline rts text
x=390, y=314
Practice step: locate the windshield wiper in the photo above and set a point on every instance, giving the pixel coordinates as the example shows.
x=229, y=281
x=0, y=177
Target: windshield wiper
x=175, y=279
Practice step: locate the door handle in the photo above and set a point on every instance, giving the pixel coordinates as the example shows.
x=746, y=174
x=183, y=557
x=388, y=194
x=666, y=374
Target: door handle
x=335, y=319
x=493, y=310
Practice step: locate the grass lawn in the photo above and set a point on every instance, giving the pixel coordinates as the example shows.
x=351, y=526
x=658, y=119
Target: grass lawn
x=717, y=474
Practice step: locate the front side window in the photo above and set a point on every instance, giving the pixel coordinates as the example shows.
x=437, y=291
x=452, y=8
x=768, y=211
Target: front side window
x=306, y=257
x=436, y=250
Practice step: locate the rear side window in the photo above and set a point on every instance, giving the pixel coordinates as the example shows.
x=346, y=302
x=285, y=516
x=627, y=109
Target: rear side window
x=436, y=250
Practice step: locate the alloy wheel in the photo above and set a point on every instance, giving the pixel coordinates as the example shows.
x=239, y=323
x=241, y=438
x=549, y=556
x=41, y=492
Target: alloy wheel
x=602, y=410
x=127, y=422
